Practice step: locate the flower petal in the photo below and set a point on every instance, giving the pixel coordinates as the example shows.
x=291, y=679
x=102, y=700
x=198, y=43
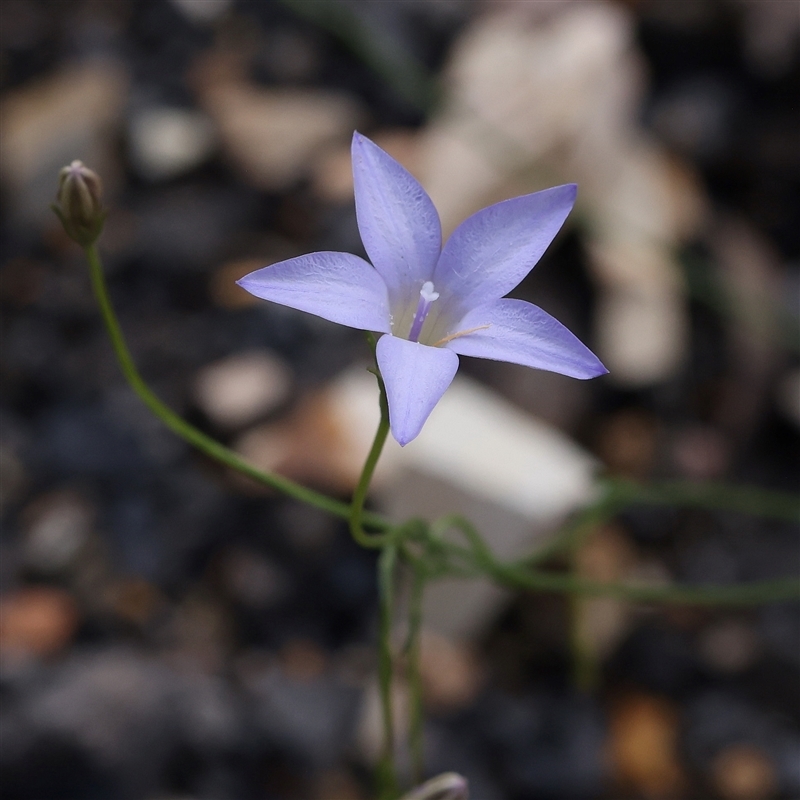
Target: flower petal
x=339, y=287
x=522, y=333
x=416, y=376
x=398, y=223
x=494, y=249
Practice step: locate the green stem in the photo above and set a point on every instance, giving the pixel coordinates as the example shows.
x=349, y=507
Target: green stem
x=712, y=496
x=191, y=434
x=387, y=775
x=618, y=494
x=356, y=516
x=413, y=647
x=519, y=576
x=770, y=591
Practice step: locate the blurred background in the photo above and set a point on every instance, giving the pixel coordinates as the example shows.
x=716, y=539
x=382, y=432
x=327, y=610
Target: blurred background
x=169, y=630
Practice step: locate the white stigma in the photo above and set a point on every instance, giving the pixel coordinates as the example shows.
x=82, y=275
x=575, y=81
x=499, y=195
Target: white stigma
x=427, y=293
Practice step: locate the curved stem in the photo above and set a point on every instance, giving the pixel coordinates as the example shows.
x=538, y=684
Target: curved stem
x=356, y=516
x=517, y=574
x=191, y=434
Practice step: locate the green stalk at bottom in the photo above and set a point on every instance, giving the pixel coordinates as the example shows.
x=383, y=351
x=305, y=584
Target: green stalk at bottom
x=386, y=774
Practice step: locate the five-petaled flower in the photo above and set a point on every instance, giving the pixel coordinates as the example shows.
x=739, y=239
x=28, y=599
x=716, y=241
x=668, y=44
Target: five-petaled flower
x=433, y=303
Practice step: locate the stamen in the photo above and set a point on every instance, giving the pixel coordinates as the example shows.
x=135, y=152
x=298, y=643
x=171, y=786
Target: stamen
x=426, y=296
x=459, y=335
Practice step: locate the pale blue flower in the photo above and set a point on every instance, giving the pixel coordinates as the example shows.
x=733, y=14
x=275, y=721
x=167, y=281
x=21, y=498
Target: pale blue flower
x=431, y=303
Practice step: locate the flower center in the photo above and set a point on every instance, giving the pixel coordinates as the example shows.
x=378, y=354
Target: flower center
x=426, y=296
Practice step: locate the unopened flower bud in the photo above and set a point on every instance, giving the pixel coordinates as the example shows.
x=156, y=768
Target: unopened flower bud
x=447, y=786
x=79, y=205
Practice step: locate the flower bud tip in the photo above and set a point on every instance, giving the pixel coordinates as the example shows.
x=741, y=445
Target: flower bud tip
x=79, y=205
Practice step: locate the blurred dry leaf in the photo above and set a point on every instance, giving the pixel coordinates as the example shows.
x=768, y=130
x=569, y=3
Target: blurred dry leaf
x=535, y=99
x=333, y=171
x=271, y=135
x=46, y=124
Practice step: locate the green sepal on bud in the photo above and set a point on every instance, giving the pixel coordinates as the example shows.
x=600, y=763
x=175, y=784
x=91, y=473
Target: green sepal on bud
x=79, y=205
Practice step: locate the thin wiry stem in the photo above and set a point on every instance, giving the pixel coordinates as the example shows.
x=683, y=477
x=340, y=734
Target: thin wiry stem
x=708, y=495
x=452, y=559
x=193, y=435
x=387, y=774
x=743, y=594
x=356, y=517
x=414, y=673
x=520, y=576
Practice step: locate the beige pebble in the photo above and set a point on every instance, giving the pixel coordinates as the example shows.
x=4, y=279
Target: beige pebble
x=627, y=442
x=643, y=746
x=134, y=599
x=451, y=673
x=303, y=660
x=57, y=525
x=166, y=142
x=239, y=389
x=37, y=620
x=729, y=646
x=744, y=772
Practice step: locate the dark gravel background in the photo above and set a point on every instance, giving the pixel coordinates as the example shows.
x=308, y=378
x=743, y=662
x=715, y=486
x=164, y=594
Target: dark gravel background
x=168, y=633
